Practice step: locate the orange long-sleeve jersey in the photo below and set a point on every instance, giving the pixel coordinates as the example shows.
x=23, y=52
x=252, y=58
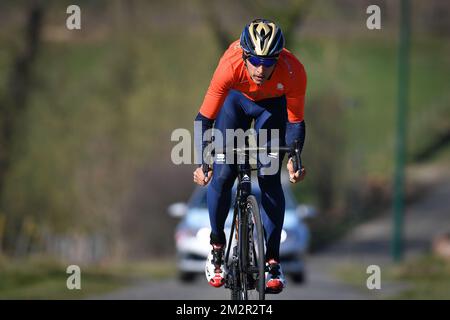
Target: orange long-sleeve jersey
x=288, y=78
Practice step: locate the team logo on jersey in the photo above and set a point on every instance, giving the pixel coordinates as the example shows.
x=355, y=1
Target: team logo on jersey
x=220, y=158
x=280, y=86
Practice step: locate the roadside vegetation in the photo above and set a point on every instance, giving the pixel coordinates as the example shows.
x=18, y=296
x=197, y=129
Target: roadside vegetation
x=426, y=278
x=46, y=278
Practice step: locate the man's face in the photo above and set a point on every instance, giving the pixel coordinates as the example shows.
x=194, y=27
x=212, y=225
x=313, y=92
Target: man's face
x=260, y=73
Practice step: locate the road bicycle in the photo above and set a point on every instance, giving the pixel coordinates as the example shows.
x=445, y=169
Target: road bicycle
x=245, y=268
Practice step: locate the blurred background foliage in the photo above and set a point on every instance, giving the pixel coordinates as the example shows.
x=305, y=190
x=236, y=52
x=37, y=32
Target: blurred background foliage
x=86, y=115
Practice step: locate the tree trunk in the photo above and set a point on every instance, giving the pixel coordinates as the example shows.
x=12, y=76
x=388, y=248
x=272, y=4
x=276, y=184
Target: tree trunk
x=14, y=103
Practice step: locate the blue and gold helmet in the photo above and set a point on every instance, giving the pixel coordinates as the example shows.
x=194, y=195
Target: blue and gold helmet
x=262, y=38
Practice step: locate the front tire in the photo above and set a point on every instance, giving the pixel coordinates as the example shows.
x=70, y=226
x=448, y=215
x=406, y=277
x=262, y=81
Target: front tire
x=257, y=247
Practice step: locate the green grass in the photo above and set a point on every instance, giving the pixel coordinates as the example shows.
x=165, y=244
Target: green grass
x=356, y=275
x=426, y=277
x=429, y=277
x=43, y=278
x=364, y=74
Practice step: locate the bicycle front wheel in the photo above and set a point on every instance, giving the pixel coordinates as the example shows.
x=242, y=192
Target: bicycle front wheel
x=255, y=254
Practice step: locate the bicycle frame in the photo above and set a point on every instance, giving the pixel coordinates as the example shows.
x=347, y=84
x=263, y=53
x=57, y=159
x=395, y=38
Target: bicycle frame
x=243, y=191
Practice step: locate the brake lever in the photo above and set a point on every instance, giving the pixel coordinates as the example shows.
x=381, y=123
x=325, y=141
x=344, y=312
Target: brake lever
x=296, y=159
x=205, y=168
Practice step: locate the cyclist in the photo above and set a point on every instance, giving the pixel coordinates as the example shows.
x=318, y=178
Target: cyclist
x=256, y=79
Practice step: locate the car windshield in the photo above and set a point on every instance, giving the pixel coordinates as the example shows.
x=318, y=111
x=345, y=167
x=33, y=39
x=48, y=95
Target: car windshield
x=198, y=199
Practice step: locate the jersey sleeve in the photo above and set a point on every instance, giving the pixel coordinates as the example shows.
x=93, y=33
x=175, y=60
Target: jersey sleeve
x=295, y=95
x=219, y=86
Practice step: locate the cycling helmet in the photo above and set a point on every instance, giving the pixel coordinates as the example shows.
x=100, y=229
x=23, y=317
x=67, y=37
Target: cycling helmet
x=262, y=38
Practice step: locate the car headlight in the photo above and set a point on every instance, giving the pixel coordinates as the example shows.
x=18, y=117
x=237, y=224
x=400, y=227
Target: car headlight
x=203, y=234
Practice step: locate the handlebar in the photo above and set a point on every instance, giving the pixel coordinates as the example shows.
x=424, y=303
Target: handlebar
x=293, y=150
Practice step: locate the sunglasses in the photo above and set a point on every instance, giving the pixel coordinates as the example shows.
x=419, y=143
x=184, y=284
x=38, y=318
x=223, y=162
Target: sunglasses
x=266, y=62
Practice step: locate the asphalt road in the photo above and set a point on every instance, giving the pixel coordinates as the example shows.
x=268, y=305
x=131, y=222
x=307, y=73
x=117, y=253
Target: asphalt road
x=367, y=244
x=319, y=286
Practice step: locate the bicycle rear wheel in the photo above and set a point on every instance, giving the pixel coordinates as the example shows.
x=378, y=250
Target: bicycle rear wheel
x=254, y=277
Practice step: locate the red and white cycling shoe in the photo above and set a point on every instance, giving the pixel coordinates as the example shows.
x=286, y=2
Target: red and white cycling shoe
x=275, y=280
x=214, y=268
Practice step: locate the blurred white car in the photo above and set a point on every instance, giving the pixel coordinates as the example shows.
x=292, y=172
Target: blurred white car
x=192, y=234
